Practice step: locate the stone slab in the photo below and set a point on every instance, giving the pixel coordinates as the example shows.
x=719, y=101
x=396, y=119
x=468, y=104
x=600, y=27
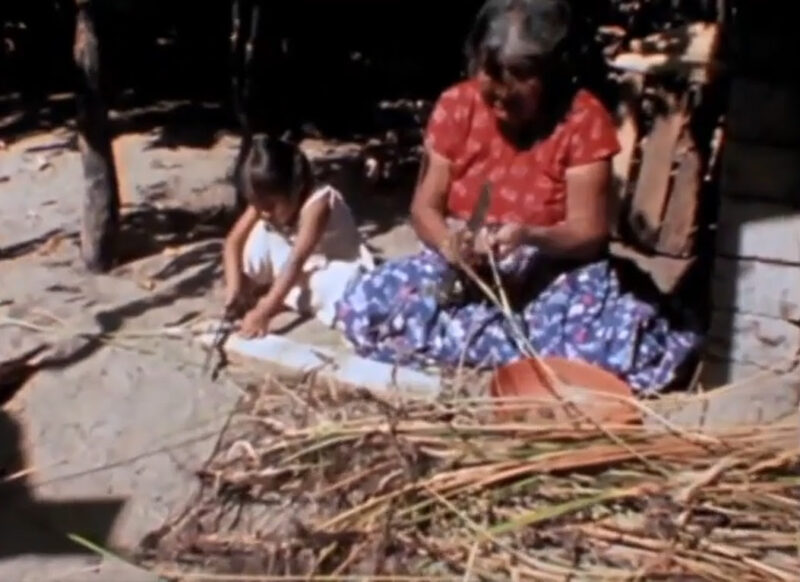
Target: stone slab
x=762, y=399
x=758, y=230
x=757, y=288
x=770, y=344
x=328, y=364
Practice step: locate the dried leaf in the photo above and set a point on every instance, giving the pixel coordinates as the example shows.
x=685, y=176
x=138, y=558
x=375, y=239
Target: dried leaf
x=42, y=163
x=146, y=283
x=51, y=245
x=699, y=480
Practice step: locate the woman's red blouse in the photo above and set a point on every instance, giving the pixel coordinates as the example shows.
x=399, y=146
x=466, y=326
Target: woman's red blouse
x=528, y=186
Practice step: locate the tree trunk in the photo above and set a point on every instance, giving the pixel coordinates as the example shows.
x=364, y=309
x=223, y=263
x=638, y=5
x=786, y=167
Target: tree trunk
x=246, y=18
x=101, y=202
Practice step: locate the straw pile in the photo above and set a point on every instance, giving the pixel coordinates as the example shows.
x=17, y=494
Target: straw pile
x=321, y=484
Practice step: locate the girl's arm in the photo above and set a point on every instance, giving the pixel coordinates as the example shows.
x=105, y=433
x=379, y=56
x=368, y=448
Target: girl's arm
x=232, y=253
x=312, y=222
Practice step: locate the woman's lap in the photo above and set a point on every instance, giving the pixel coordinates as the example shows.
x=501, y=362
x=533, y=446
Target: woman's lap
x=391, y=314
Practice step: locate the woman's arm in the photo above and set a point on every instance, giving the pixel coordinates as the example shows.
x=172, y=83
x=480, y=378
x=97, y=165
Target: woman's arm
x=312, y=222
x=584, y=234
x=428, y=208
x=232, y=252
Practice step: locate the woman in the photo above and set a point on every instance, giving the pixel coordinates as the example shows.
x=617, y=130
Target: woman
x=544, y=148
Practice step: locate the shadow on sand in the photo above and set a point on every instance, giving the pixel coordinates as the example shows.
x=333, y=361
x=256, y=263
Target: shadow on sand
x=31, y=526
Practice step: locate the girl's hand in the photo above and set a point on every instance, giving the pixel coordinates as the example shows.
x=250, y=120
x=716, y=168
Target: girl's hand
x=508, y=238
x=255, y=323
x=233, y=294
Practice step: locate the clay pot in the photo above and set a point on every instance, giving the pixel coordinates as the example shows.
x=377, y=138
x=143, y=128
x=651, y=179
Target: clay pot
x=587, y=386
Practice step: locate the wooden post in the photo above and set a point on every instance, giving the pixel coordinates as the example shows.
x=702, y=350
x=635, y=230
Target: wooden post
x=246, y=14
x=101, y=203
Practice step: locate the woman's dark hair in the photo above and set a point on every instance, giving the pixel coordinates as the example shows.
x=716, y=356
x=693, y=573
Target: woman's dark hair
x=530, y=29
x=278, y=167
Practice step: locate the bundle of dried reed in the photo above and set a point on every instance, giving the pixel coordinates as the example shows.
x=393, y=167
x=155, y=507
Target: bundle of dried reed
x=328, y=484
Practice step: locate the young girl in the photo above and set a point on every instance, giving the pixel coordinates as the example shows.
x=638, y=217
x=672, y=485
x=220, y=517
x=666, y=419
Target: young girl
x=296, y=244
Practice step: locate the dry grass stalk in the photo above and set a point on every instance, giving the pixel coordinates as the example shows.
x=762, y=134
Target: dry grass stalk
x=358, y=486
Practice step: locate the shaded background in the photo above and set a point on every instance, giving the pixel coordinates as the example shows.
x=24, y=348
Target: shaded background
x=319, y=63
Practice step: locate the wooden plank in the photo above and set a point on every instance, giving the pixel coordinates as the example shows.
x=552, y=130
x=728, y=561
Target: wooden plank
x=761, y=171
x=666, y=272
x=652, y=185
x=764, y=113
x=686, y=51
x=679, y=226
x=757, y=230
x=628, y=136
x=771, y=344
x=123, y=148
x=757, y=288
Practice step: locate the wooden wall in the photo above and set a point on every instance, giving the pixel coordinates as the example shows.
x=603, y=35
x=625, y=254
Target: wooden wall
x=756, y=286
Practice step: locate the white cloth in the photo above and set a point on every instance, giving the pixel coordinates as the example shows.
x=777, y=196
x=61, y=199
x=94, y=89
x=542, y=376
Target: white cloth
x=339, y=256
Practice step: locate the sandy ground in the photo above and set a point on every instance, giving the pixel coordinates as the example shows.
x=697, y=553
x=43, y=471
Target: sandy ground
x=108, y=435
x=105, y=439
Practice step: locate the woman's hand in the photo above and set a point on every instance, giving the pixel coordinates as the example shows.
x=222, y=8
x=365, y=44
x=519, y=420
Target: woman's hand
x=509, y=238
x=255, y=323
x=457, y=247
x=463, y=246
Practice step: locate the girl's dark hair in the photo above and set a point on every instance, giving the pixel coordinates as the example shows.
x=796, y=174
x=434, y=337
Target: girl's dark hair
x=278, y=167
x=533, y=29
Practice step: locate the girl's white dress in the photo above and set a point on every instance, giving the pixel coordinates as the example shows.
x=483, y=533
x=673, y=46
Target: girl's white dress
x=339, y=257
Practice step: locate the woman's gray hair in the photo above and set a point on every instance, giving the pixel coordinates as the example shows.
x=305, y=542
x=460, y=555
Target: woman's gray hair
x=524, y=29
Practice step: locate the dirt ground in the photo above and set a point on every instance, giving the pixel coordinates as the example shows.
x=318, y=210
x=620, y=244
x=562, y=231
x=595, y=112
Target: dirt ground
x=104, y=440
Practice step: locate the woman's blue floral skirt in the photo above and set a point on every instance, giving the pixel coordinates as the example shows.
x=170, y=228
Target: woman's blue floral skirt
x=392, y=315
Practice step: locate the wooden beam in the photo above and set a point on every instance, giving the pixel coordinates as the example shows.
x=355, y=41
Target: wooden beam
x=679, y=227
x=245, y=23
x=100, y=218
x=628, y=136
x=666, y=272
x=688, y=51
x=653, y=182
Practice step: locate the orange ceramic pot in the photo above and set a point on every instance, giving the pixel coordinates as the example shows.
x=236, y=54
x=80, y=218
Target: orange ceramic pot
x=595, y=391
